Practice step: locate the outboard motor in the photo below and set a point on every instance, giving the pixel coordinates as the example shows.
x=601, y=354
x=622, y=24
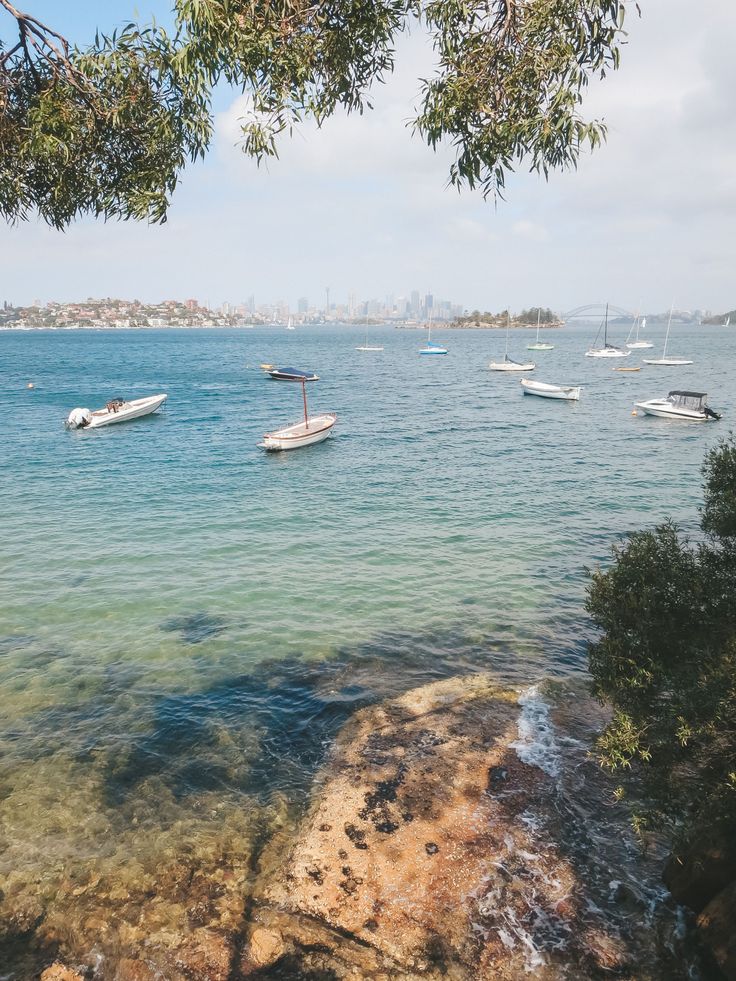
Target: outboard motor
x=79, y=418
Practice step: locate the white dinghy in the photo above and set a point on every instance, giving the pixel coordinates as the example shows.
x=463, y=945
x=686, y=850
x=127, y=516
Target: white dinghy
x=570, y=393
x=680, y=405
x=115, y=411
x=306, y=432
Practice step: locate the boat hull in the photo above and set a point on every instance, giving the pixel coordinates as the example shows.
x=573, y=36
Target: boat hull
x=667, y=362
x=540, y=347
x=665, y=410
x=433, y=350
x=610, y=353
x=300, y=434
x=135, y=409
x=570, y=393
x=284, y=375
x=364, y=348
x=510, y=366
x=639, y=345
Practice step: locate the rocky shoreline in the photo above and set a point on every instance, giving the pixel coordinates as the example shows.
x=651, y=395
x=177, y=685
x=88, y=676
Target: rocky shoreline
x=454, y=832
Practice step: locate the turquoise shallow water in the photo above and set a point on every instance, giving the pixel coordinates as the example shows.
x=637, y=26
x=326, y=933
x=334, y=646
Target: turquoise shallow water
x=174, y=603
x=448, y=515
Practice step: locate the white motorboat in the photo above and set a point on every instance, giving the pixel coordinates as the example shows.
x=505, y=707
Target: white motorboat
x=680, y=405
x=539, y=345
x=508, y=364
x=306, y=432
x=115, y=411
x=664, y=361
x=571, y=393
x=636, y=344
x=608, y=350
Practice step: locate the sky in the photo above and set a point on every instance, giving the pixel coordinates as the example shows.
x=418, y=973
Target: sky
x=363, y=206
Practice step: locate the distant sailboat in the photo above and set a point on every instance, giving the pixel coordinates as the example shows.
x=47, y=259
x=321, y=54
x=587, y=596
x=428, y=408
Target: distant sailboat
x=367, y=346
x=728, y=321
x=508, y=364
x=290, y=326
x=608, y=350
x=539, y=345
x=664, y=361
x=636, y=344
x=431, y=348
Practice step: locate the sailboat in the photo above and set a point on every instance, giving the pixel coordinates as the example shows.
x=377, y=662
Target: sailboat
x=312, y=429
x=289, y=325
x=430, y=347
x=636, y=344
x=608, y=350
x=508, y=364
x=664, y=361
x=539, y=345
x=367, y=346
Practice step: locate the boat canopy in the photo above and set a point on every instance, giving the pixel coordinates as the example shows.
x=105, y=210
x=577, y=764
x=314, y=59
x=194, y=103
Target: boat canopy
x=687, y=400
x=296, y=372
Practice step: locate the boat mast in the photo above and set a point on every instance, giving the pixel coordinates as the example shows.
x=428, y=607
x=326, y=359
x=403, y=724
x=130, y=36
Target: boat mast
x=508, y=324
x=539, y=316
x=667, y=335
x=605, y=330
x=304, y=395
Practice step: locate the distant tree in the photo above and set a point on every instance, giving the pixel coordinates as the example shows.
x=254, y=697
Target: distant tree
x=546, y=316
x=107, y=129
x=666, y=659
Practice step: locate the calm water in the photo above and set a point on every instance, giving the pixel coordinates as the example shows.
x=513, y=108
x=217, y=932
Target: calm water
x=185, y=619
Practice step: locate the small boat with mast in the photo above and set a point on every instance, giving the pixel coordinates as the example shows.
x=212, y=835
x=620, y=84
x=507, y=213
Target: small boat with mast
x=508, y=364
x=636, y=344
x=306, y=432
x=664, y=361
x=539, y=345
x=431, y=348
x=368, y=347
x=608, y=350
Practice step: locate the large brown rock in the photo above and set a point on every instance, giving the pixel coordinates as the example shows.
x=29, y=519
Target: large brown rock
x=717, y=926
x=59, y=972
x=416, y=859
x=696, y=873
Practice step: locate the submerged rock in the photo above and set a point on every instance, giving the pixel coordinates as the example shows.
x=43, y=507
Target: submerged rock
x=421, y=856
x=717, y=926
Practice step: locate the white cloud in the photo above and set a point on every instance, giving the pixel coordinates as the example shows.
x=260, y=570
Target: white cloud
x=364, y=205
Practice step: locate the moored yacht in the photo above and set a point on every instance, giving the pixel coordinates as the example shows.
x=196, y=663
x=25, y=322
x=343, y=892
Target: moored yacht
x=680, y=405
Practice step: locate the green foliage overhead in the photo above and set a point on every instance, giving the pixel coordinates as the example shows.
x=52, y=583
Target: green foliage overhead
x=666, y=659
x=108, y=129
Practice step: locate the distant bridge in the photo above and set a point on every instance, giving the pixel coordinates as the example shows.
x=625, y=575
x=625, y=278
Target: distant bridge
x=597, y=310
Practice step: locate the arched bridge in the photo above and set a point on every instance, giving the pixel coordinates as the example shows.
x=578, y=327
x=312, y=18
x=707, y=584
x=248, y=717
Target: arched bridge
x=597, y=310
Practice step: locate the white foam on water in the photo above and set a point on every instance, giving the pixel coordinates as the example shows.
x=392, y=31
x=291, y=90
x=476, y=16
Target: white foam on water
x=537, y=743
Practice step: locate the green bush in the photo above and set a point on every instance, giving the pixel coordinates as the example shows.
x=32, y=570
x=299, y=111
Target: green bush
x=666, y=658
